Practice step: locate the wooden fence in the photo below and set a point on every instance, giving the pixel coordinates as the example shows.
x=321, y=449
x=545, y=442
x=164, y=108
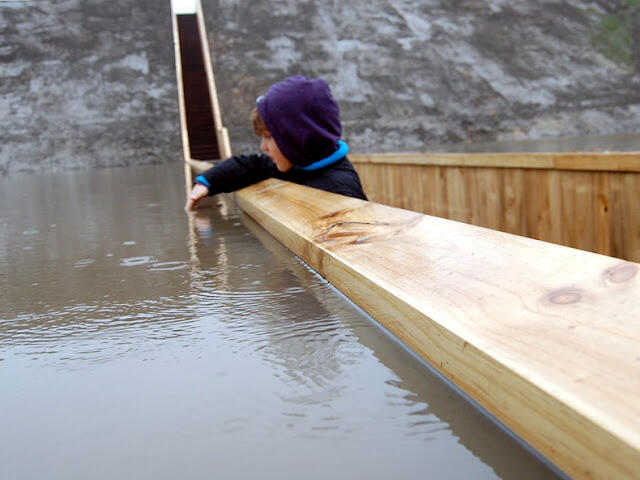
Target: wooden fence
x=589, y=201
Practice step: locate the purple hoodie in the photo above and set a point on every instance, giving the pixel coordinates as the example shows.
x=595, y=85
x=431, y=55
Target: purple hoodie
x=303, y=118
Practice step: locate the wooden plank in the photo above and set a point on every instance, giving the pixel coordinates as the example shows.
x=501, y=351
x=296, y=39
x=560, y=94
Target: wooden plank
x=590, y=161
x=198, y=166
x=544, y=337
x=181, y=106
x=587, y=209
x=602, y=225
x=512, y=201
x=606, y=162
x=631, y=214
x=483, y=443
x=192, y=165
x=221, y=134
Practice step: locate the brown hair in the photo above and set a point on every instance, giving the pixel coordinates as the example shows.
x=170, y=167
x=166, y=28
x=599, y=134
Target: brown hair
x=259, y=128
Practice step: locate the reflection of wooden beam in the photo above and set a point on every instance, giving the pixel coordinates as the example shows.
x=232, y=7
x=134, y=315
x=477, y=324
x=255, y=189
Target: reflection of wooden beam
x=609, y=162
x=544, y=337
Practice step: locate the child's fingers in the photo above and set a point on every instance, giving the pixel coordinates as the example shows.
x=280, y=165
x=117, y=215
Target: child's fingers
x=197, y=193
x=191, y=203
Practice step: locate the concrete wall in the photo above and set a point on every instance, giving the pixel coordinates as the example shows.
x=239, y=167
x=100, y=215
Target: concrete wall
x=92, y=83
x=86, y=84
x=410, y=75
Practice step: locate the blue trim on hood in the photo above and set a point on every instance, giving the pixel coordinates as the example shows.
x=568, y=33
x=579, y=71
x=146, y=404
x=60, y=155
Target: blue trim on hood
x=340, y=153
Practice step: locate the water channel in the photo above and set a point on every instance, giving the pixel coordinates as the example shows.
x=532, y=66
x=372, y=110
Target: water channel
x=138, y=342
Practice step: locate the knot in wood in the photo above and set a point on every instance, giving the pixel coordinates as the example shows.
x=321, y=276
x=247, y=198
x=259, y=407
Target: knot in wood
x=623, y=272
x=564, y=297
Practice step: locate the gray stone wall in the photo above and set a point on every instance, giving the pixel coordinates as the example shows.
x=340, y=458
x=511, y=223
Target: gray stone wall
x=92, y=83
x=410, y=75
x=86, y=84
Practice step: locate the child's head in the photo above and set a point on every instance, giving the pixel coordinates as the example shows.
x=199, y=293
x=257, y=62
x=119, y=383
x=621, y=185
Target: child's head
x=301, y=116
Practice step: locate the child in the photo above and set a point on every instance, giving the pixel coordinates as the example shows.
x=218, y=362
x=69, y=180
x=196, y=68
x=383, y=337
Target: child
x=299, y=123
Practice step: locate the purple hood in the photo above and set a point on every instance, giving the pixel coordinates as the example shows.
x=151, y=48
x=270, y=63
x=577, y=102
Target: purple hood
x=303, y=118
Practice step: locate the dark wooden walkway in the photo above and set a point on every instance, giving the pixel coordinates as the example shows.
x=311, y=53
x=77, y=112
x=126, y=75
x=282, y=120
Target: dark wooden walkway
x=201, y=127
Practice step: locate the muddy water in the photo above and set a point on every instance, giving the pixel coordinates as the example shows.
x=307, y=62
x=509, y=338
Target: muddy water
x=137, y=343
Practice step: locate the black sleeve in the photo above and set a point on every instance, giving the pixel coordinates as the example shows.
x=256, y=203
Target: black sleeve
x=238, y=172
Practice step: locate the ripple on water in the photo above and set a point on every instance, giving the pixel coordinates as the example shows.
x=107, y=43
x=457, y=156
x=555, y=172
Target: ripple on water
x=100, y=331
x=135, y=261
x=294, y=290
x=162, y=266
x=85, y=262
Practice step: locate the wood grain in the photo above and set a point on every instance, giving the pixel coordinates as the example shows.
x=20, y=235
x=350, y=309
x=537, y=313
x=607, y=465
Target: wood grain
x=545, y=337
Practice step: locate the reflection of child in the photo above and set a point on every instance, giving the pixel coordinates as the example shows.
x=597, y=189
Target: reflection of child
x=299, y=123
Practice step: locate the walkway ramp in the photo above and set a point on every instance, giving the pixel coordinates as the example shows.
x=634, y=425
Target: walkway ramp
x=546, y=338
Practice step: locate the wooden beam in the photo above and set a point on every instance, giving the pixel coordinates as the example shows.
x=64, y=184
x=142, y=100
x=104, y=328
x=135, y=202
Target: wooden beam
x=610, y=162
x=543, y=336
x=198, y=166
x=191, y=165
x=224, y=146
x=186, y=153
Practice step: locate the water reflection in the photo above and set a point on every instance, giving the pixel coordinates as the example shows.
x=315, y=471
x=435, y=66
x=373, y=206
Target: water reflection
x=138, y=341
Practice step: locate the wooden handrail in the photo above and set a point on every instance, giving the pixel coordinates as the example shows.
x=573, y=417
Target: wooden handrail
x=613, y=162
x=184, y=136
x=206, y=133
x=222, y=134
x=543, y=336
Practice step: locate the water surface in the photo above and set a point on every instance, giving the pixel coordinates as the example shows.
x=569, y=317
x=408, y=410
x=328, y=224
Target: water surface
x=137, y=342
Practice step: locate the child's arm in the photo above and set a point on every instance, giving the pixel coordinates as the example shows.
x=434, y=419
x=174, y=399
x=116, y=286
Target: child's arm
x=231, y=175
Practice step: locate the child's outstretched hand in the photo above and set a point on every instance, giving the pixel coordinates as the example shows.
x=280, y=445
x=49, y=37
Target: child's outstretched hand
x=197, y=193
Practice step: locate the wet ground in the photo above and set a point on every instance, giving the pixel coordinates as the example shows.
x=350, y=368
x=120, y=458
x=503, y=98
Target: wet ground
x=137, y=342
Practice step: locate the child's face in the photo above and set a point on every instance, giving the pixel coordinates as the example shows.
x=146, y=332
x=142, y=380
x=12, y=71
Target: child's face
x=268, y=145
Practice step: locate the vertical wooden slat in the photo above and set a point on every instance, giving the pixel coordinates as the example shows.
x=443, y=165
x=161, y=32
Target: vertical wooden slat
x=592, y=210
x=602, y=213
